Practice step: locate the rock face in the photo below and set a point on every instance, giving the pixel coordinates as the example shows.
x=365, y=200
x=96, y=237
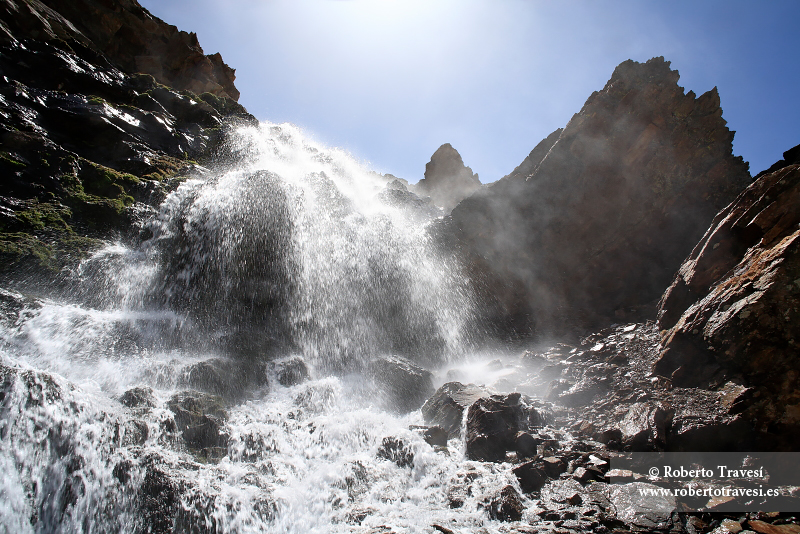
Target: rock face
x=593, y=224
x=446, y=407
x=127, y=34
x=447, y=180
x=731, y=313
x=88, y=147
x=403, y=384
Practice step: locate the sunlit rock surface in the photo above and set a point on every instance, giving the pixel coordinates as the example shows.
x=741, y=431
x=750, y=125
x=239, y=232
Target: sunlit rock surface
x=731, y=313
x=591, y=228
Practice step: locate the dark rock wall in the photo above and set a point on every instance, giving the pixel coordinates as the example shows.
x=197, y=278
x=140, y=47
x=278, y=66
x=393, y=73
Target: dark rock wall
x=594, y=223
x=86, y=147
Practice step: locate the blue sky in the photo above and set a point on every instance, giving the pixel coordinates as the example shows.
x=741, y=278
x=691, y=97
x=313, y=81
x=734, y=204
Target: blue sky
x=392, y=80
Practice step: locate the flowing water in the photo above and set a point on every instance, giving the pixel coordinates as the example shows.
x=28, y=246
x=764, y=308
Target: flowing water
x=296, y=250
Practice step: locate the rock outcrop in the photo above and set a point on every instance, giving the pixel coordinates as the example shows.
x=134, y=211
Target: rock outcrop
x=125, y=33
x=593, y=225
x=731, y=313
x=447, y=180
x=89, y=144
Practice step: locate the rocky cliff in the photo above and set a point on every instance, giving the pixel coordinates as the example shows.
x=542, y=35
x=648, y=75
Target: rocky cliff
x=91, y=138
x=447, y=180
x=126, y=34
x=592, y=226
x=731, y=313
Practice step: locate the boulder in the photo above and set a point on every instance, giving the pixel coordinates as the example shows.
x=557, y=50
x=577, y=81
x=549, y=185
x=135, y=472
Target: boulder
x=531, y=475
x=199, y=418
x=446, y=407
x=222, y=377
x=290, y=371
x=405, y=386
x=435, y=436
x=507, y=505
x=492, y=426
x=599, y=218
x=138, y=397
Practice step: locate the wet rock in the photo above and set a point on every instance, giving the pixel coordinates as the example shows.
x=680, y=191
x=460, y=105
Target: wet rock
x=446, y=407
x=553, y=466
x=492, y=426
x=644, y=427
x=586, y=475
x=525, y=445
x=200, y=418
x=396, y=450
x=159, y=500
x=138, y=397
x=131, y=37
x=766, y=528
x=730, y=526
x=291, y=371
x=648, y=513
x=507, y=506
x=222, y=377
x=531, y=475
x=435, y=436
x=583, y=392
x=359, y=514
x=405, y=385
x=133, y=432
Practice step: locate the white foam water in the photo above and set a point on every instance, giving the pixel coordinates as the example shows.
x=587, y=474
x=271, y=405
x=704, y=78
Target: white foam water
x=296, y=249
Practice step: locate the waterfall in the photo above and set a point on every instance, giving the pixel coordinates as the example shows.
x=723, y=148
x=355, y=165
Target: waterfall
x=290, y=249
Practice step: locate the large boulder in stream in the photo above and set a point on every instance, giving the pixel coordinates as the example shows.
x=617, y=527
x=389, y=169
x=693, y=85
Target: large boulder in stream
x=591, y=228
x=731, y=318
x=403, y=384
x=492, y=426
x=200, y=419
x=447, y=406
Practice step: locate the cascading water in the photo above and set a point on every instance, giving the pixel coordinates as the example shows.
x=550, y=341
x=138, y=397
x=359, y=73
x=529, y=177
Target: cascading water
x=295, y=251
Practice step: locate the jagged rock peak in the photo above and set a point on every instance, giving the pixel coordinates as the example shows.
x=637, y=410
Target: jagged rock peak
x=127, y=34
x=595, y=222
x=447, y=180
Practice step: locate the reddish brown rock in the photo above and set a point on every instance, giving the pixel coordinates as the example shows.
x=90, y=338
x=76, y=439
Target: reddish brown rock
x=733, y=310
x=599, y=224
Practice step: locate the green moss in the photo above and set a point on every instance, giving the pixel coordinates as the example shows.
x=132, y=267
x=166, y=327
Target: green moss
x=21, y=249
x=96, y=100
x=22, y=252
x=103, y=181
x=40, y=215
x=10, y=160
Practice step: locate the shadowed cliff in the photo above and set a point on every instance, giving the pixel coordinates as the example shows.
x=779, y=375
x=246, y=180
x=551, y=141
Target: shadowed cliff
x=592, y=226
